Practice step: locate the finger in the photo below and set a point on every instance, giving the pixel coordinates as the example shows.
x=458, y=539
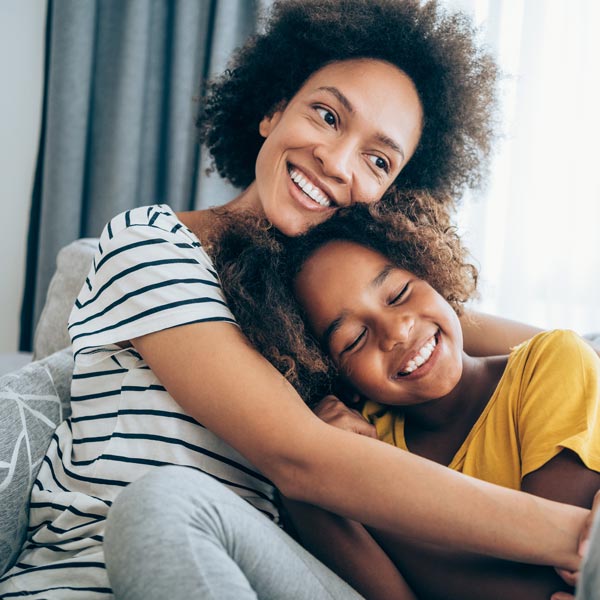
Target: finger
x=584, y=537
x=365, y=428
x=569, y=577
x=562, y=596
x=354, y=399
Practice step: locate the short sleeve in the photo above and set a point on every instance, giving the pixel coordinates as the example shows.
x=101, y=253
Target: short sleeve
x=559, y=401
x=149, y=274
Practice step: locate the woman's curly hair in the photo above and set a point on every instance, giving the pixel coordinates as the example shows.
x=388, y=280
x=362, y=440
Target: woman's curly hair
x=257, y=266
x=454, y=77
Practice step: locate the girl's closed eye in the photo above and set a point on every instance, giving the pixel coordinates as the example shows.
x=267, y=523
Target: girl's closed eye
x=400, y=296
x=355, y=342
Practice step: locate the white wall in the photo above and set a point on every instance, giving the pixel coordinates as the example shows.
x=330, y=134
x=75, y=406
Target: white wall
x=22, y=32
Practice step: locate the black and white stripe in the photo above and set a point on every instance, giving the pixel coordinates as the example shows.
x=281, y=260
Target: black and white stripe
x=149, y=273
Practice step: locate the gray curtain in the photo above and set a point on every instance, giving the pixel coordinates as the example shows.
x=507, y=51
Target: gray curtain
x=123, y=80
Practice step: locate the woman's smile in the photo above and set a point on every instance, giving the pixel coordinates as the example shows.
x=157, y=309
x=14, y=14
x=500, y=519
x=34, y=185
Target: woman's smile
x=310, y=188
x=337, y=141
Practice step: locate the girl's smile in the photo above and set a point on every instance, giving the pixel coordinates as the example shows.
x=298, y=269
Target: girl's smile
x=393, y=337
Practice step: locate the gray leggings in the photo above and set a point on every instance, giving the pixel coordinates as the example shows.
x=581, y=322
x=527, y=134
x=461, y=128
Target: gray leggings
x=176, y=533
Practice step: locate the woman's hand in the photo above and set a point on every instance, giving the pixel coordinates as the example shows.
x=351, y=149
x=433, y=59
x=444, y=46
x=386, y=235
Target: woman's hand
x=334, y=412
x=571, y=577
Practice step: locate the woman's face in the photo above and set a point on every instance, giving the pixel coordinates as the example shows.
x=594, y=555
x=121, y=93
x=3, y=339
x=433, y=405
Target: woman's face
x=343, y=138
x=393, y=337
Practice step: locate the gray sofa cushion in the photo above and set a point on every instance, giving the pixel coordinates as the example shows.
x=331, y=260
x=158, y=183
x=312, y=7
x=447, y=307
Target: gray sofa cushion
x=72, y=266
x=33, y=401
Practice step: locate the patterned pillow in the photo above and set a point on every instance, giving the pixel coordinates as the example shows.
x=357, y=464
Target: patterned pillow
x=33, y=401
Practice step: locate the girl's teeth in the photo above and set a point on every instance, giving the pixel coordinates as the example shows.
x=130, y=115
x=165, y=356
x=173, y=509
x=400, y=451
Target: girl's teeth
x=421, y=358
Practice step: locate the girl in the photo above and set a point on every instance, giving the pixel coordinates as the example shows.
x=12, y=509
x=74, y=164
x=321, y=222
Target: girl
x=337, y=102
x=527, y=421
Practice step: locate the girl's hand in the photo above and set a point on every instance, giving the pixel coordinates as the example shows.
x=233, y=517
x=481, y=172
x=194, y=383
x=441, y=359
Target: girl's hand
x=584, y=541
x=334, y=412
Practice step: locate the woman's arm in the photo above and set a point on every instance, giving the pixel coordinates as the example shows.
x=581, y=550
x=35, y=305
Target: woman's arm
x=218, y=378
x=346, y=547
x=488, y=335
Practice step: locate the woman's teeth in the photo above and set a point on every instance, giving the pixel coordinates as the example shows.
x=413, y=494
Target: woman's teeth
x=422, y=356
x=308, y=188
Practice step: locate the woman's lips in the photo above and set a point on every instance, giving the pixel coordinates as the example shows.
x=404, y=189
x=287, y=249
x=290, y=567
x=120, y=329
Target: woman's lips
x=303, y=198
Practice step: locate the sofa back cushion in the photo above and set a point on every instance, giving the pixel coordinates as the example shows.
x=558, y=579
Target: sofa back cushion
x=72, y=266
x=33, y=401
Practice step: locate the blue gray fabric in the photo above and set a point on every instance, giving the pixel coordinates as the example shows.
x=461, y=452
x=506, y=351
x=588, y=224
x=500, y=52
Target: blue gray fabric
x=209, y=543
x=33, y=401
x=123, y=78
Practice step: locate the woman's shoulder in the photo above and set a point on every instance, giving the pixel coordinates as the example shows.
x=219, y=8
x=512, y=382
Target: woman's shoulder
x=146, y=221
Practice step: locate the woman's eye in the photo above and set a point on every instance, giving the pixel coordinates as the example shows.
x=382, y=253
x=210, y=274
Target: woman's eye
x=379, y=162
x=327, y=116
x=400, y=295
x=354, y=343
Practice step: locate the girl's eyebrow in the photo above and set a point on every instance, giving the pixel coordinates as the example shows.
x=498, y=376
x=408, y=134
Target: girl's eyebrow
x=386, y=140
x=332, y=328
x=339, y=320
x=382, y=276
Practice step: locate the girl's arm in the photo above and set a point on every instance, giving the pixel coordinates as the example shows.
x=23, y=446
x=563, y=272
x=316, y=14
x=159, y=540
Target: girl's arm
x=346, y=547
x=488, y=335
x=211, y=370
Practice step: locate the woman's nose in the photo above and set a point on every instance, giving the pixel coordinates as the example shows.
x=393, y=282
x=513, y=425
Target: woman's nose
x=335, y=158
x=395, y=329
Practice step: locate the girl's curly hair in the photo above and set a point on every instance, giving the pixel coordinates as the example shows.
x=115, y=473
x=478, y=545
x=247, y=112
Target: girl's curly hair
x=454, y=77
x=257, y=266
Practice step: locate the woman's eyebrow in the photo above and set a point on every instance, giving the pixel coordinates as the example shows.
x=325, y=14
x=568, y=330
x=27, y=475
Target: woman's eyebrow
x=342, y=99
x=379, y=136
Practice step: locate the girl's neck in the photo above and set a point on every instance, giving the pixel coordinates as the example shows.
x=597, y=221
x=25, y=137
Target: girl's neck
x=479, y=379
x=437, y=429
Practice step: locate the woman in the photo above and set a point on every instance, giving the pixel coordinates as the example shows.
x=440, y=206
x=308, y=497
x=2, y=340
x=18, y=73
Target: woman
x=346, y=94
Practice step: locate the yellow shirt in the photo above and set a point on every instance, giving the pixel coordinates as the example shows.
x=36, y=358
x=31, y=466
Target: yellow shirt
x=548, y=399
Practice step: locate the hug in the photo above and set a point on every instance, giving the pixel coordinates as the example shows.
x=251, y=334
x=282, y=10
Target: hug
x=284, y=396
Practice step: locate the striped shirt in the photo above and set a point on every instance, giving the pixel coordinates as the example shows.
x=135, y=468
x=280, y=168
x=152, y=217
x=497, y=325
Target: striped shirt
x=149, y=273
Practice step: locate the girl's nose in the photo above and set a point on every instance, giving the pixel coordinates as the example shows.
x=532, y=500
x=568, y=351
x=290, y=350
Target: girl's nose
x=395, y=329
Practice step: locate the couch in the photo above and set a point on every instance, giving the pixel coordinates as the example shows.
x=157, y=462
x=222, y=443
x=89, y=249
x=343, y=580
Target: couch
x=36, y=398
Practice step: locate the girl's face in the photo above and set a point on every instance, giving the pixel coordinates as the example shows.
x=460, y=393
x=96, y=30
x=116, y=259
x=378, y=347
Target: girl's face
x=393, y=337
x=343, y=138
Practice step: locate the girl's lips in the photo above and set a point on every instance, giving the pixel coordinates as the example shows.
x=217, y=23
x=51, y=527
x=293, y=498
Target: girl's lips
x=426, y=367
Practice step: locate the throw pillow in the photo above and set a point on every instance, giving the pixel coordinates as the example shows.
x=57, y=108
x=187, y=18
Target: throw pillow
x=33, y=401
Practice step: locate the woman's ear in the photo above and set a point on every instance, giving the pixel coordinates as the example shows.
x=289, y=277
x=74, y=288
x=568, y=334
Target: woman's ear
x=269, y=122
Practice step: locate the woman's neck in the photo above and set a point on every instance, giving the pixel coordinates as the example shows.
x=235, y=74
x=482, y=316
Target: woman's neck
x=207, y=223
